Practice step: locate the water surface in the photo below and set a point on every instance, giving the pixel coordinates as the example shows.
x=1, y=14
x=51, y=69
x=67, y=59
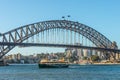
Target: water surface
x=32, y=72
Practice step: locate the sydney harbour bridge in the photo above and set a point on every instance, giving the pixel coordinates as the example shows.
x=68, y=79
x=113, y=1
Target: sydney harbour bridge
x=57, y=33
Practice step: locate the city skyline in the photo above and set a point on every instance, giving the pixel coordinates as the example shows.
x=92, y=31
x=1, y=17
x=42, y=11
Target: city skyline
x=102, y=15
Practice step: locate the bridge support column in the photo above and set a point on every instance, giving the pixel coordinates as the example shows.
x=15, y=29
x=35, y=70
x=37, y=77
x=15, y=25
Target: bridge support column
x=117, y=56
x=109, y=55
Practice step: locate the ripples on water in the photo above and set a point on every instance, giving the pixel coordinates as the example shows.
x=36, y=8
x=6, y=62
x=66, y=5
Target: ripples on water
x=32, y=72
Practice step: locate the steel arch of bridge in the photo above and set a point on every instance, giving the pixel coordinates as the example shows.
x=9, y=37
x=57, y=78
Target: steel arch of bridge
x=20, y=34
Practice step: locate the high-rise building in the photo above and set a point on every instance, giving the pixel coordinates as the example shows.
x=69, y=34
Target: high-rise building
x=85, y=53
x=89, y=53
x=80, y=53
x=68, y=52
x=19, y=56
x=14, y=57
x=99, y=54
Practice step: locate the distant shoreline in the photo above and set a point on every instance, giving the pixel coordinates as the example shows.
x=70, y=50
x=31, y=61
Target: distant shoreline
x=106, y=63
x=95, y=64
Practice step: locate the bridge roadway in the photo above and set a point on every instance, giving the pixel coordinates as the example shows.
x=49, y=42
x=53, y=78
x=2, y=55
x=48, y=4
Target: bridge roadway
x=58, y=45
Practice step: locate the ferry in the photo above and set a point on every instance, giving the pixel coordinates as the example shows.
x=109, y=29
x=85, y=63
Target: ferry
x=53, y=64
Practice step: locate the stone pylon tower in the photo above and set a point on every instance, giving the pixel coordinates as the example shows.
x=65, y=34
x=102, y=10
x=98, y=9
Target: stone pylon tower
x=114, y=56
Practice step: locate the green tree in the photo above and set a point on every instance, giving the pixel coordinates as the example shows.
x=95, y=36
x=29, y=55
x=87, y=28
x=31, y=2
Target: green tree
x=85, y=58
x=95, y=58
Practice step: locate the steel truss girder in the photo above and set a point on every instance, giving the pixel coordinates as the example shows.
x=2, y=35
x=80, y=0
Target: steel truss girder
x=20, y=34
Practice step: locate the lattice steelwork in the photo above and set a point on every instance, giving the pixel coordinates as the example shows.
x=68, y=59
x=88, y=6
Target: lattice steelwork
x=54, y=31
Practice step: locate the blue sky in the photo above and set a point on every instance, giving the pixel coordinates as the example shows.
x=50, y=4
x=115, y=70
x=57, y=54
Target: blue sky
x=102, y=15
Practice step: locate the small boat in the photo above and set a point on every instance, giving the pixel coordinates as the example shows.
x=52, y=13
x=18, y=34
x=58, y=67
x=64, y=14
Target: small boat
x=53, y=64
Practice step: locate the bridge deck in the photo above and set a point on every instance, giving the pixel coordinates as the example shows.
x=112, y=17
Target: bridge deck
x=58, y=45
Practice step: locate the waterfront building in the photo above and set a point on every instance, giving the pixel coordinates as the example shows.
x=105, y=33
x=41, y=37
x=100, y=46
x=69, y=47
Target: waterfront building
x=22, y=61
x=90, y=53
x=85, y=53
x=79, y=53
x=117, y=56
x=99, y=54
x=19, y=56
x=68, y=52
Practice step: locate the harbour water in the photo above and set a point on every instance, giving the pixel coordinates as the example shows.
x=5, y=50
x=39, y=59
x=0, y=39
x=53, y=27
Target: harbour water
x=83, y=72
